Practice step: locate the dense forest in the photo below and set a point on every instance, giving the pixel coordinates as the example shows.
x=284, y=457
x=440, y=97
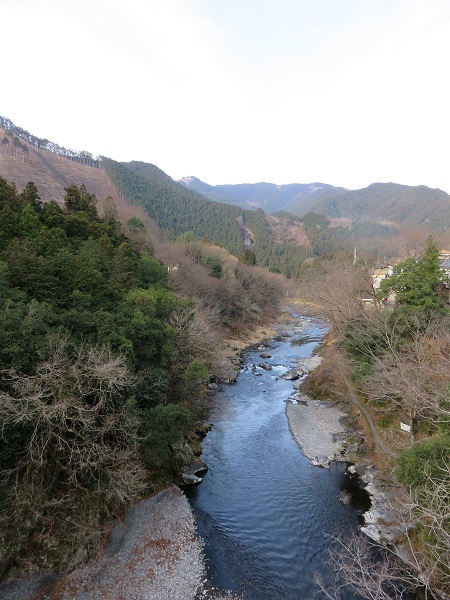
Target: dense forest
x=380, y=242
x=391, y=202
x=179, y=211
x=104, y=366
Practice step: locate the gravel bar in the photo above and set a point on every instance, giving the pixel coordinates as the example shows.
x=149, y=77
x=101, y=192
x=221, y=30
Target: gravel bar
x=153, y=554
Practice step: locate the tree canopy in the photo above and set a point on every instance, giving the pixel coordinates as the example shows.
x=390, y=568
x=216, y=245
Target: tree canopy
x=417, y=282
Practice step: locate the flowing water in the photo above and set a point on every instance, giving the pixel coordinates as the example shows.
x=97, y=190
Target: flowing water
x=264, y=512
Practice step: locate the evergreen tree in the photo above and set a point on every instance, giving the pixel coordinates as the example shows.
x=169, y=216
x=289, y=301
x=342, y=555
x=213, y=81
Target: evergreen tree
x=417, y=282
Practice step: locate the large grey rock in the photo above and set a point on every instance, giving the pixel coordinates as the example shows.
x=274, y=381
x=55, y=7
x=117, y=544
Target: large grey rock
x=292, y=375
x=266, y=366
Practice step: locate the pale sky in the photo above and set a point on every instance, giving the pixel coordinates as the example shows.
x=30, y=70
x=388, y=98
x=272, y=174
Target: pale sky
x=345, y=92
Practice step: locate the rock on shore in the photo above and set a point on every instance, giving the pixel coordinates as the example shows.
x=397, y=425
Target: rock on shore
x=317, y=426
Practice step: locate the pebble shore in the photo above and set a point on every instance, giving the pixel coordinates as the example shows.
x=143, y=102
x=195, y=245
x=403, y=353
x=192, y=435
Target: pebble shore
x=153, y=554
x=317, y=426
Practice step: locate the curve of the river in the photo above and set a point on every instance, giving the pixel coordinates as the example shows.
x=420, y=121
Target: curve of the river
x=263, y=510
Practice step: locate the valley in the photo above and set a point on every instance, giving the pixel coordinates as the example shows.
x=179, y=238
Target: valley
x=126, y=299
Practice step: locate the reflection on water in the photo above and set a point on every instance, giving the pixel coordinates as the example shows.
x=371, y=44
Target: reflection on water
x=262, y=509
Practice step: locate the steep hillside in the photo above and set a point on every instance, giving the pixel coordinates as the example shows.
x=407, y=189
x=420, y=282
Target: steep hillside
x=296, y=198
x=21, y=162
x=391, y=203
x=181, y=211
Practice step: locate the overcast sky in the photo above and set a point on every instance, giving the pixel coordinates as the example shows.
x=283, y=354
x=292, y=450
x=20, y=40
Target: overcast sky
x=345, y=92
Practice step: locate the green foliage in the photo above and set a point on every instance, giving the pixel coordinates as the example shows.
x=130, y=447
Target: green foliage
x=248, y=257
x=151, y=270
x=135, y=225
x=195, y=374
x=416, y=282
x=360, y=371
x=79, y=200
x=162, y=427
x=425, y=461
x=68, y=275
x=385, y=422
x=214, y=266
x=324, y=239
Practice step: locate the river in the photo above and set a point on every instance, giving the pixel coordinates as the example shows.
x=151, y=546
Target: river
x=263, y=511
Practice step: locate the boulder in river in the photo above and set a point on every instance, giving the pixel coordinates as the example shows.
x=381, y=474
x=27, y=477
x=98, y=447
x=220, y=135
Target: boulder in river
x=292, y=375
x=265, y=355
x=190, y=479
x=266, y=366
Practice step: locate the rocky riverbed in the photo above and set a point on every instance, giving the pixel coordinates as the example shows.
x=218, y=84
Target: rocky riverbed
x=155, y=553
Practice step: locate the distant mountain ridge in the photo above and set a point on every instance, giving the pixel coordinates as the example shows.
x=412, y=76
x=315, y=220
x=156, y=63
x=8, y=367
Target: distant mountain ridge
x=391, y=203
x=234, y=216
x=296, y=198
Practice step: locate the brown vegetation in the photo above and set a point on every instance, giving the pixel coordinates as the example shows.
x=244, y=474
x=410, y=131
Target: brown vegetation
x=284, y=232
x=82, y=450
x=51, y=172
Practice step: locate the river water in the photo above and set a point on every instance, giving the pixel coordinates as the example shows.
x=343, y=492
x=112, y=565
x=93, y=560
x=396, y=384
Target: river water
x=263, y=511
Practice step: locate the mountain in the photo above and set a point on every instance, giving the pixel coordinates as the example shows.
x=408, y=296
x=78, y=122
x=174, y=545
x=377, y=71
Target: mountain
x=296, y=198
x=385, y=203
x=281, y=245
x=390, y=203
x=26, y=158
x=370, y=218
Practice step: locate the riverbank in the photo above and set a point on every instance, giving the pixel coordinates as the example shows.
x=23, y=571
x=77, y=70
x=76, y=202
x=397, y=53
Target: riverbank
x=327, y=430
x=153, y=553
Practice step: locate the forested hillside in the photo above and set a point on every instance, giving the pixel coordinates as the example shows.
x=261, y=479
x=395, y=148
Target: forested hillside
x=182, y=212
x=397, y=357
x=329, y=236
x=391, y=202
x=103, y=365
x=84, y=339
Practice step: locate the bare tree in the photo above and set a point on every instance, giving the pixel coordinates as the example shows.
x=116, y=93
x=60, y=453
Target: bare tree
x=370, y=570
x=196, y=334
x=413, y=377
x=80, y=461
x=337, y=289
x=429, y=507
